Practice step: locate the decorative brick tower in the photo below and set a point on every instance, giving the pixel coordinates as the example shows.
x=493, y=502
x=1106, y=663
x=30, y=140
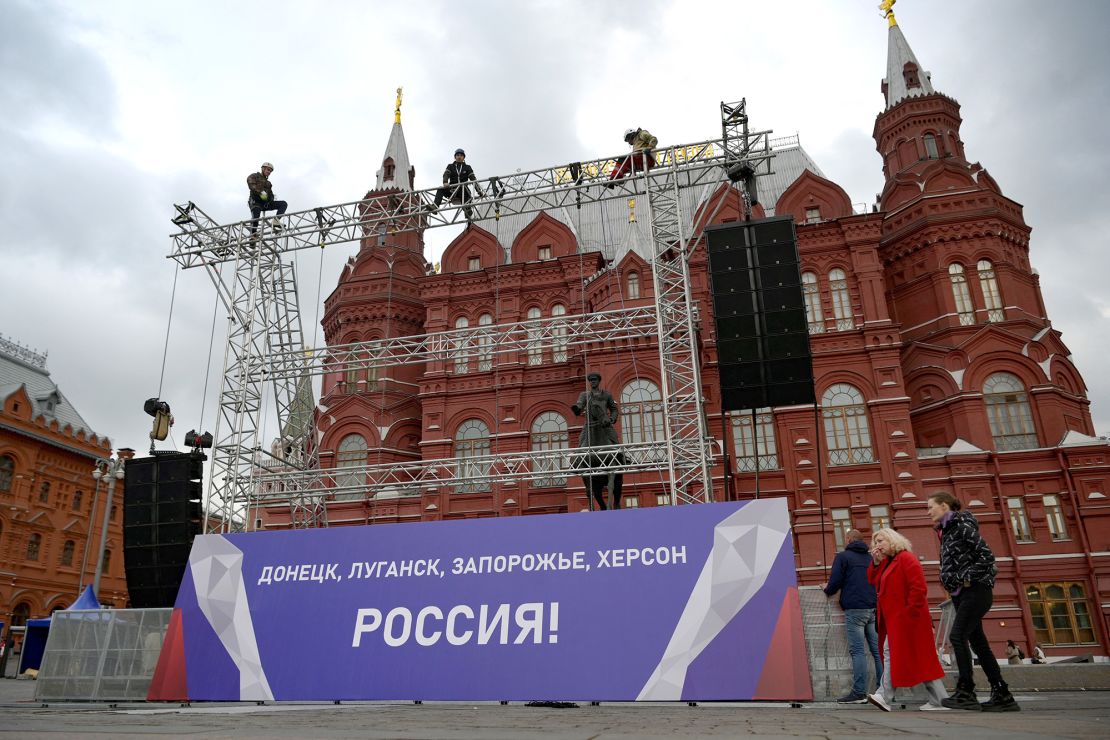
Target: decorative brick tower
x=374, y=416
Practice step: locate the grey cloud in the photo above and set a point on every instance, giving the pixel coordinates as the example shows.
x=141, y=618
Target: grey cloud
x=45, y=73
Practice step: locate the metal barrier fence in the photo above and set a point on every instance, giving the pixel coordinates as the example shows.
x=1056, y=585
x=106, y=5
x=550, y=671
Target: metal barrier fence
x=101, y=655
x=830, y=665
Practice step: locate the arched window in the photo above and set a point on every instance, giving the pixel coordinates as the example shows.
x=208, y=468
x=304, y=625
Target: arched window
x=931, y=150
x=351, y=453
x=472, y=441
x=535, y=348
x=559, y=335
x=752, y=442
x=462, y=347
x=813, y=303
x=78, y=499
x=847, y=432
x=44, y=493
x=388, y=166
x=485, y=344
x=7, y=472
x=107, y=561
x=633, y=281
x=34, y=542
x=1008, y=412
x=21, y=614
x=641, y=410
x=959, y=291
x=992, y=299
x=549, y=432
x=842, y=302
x=67, y=553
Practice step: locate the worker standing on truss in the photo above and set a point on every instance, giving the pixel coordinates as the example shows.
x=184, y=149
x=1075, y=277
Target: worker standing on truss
x=456, y=177
x=641, y=158
x=262, y=197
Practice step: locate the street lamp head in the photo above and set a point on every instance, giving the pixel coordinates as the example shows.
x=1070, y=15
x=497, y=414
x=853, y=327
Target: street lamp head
x=119, y=473
x=96, y=474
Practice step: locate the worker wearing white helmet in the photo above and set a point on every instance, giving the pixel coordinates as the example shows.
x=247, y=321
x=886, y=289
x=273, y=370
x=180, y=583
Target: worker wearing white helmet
x=641, y=158
x=262, y=197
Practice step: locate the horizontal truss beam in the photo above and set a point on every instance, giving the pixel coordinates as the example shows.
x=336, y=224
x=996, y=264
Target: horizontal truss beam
x=199, y=242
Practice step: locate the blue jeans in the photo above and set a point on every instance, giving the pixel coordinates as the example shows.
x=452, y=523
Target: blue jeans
x=860, y=626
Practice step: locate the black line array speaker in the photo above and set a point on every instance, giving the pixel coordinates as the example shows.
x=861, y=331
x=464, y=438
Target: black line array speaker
x=161, y=515
x=762, y=335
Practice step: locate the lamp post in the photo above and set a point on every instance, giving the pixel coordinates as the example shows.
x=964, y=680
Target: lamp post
x=88, y=539
x=113, y=470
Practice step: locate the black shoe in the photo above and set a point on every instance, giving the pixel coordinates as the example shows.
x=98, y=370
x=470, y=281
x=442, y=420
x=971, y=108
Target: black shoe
x=852, y=699
x=1001, y=700
x=432, y=207
x=611, y=185
x=962, y=699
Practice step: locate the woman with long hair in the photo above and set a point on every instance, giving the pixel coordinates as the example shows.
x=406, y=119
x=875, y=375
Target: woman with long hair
x=905, y=625
x=967, y=572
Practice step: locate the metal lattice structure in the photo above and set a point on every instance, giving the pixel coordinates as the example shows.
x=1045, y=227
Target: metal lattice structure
x=101, y=654
x=265, y=343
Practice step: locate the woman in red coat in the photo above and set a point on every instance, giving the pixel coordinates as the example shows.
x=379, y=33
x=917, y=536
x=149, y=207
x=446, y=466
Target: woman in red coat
x=905, y=627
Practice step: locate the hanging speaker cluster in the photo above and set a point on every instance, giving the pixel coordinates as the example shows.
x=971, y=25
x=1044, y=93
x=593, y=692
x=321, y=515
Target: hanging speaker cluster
x=759, y=311
x=161, y=516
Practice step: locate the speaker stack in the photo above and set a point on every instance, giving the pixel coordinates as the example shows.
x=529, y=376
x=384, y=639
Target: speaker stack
x=161, y=515
x=762, y=336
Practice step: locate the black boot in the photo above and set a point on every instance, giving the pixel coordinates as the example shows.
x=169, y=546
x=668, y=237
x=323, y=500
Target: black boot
x=963, y=698
x=1001, y=700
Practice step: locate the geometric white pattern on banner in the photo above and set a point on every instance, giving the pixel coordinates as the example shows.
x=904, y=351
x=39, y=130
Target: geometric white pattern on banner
x=745, y=547
x=217, y=567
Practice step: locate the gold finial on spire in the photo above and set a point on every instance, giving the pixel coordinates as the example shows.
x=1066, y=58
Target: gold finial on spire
x=887, y=6
x=397, y=110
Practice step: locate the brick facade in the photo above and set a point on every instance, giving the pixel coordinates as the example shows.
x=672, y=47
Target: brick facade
x=936, y=368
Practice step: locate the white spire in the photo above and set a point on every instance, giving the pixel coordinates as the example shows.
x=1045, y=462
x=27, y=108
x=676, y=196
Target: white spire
x=899, y=82
x=399, y=176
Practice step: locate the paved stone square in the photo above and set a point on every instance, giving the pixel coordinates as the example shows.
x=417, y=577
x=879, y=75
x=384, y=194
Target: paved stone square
x=1048, y=714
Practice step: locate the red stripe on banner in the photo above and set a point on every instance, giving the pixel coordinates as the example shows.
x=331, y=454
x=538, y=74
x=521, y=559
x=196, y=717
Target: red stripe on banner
x=169, y=682
x=786, y=669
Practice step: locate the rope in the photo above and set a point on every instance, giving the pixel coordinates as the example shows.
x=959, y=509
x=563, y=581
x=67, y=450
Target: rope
x=211, y=344
x=169, y=321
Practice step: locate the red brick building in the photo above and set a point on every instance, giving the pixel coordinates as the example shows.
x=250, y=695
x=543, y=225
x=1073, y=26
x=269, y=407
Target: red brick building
x=50, y=505
x=936, y=368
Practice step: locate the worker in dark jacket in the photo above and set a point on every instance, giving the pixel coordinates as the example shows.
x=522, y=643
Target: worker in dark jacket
x=967, y=572
x=456, y=188
x=262, y=197
x=857, y=599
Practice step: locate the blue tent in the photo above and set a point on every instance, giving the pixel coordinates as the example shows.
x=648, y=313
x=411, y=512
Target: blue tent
x=34, y=640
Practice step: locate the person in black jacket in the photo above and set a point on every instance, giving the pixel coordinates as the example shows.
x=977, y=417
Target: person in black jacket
x=857, y=599
x=455, y=188
x=967, y=572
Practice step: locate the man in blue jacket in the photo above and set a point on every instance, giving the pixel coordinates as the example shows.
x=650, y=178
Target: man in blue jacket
x=857, y=599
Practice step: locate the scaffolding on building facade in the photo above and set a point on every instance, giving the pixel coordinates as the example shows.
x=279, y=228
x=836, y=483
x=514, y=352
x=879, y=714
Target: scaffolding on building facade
x=265, y=342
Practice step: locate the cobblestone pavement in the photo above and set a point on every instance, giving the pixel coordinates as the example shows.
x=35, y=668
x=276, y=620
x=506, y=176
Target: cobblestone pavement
x=1056, y=714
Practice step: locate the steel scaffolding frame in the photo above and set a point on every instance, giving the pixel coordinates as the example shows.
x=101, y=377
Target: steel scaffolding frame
x=265, y=341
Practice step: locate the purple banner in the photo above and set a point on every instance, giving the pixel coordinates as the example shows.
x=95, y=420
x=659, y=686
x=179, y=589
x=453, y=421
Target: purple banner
x=687, y=602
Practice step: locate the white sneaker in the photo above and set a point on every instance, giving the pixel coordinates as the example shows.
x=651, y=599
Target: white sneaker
x=878, y=700
x=934, y=708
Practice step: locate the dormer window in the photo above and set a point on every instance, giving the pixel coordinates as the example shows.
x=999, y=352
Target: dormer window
x=545, y=252
x=387, y=169
x=813, y=215
x=473, y=263
x=911, y=75
x=48, y=404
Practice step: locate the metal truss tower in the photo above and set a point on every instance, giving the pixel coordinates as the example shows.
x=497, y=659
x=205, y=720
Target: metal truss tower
x=265, y=341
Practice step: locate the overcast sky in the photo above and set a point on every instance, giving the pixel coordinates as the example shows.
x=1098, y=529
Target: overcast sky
x=110, y=112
